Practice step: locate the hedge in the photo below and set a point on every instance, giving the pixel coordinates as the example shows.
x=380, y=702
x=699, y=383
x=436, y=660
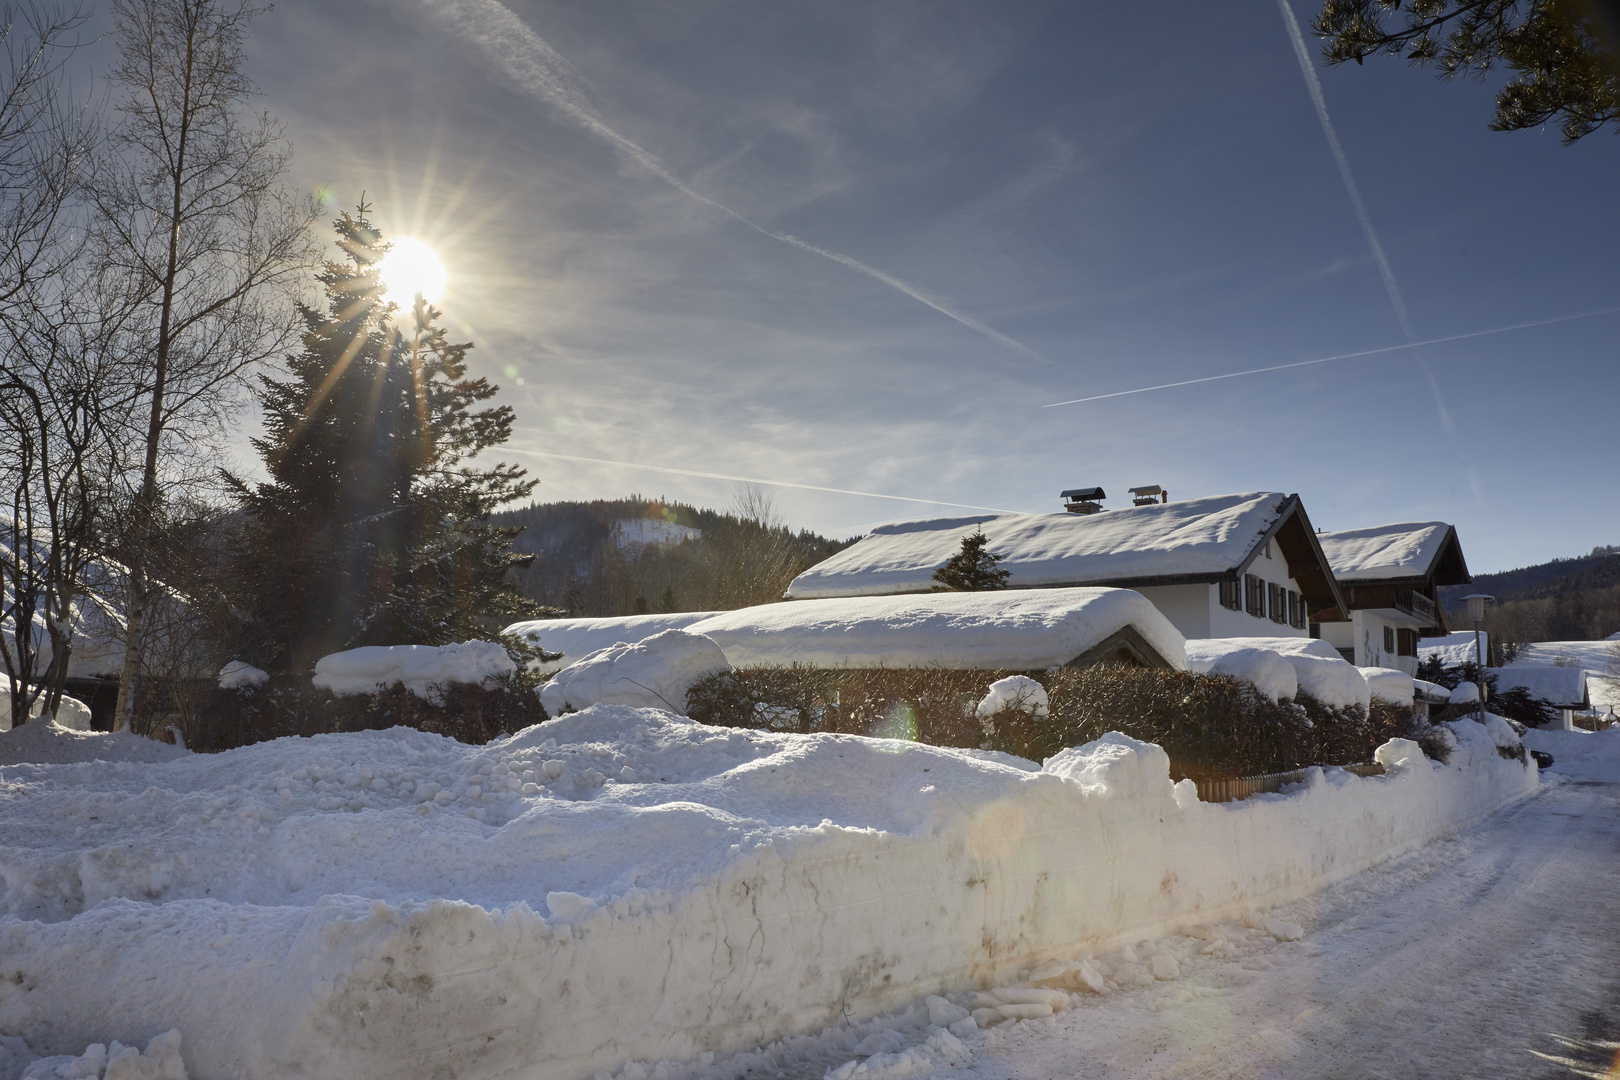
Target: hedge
x=1212, y=726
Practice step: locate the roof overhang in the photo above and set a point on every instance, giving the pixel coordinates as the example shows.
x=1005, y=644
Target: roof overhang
x=1307, y=564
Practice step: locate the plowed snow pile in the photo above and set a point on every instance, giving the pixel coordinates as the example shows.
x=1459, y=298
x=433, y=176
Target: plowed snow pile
x=624, y=884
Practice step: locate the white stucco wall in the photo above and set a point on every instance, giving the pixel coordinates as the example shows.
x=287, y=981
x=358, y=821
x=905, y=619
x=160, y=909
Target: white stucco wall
x=1364, y=633
x=1186, y=606
x=1196, y=610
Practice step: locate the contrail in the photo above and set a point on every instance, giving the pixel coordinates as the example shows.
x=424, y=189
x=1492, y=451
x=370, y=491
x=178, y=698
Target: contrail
x=750, y=480
x=1329, y=359
x=525, y=58
x=1314, y=84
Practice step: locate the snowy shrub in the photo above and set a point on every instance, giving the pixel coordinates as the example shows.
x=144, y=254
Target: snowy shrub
x=285, y=705
x=1210, y=725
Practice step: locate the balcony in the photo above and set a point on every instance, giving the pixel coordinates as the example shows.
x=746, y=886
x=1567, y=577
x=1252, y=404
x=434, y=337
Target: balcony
x=1417, y=605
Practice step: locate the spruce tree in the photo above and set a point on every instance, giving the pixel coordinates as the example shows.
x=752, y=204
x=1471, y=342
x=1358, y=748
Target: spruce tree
x=973, y=569
x=374, y=529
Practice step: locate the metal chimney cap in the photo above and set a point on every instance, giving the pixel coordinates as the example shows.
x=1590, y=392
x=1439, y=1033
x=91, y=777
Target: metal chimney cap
x=1083, y=493
x=1148, y=489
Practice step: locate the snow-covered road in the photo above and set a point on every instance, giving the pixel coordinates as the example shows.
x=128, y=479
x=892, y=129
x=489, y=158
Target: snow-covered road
x=1492, y=954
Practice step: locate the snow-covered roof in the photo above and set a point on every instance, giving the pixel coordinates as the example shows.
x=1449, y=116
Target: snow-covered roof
x=1196, y=539
x=1384, y=551
x=1019, y=629
x=1456, y=647
x=577, y=638
x=1562, y=686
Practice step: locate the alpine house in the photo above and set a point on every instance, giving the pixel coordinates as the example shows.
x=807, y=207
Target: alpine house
x=1226, y=566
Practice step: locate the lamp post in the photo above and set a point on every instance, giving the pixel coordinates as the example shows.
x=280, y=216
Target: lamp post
x=1476, y=611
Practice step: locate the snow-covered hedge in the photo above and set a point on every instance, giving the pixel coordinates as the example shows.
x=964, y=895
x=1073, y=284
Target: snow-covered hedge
x=1211, y=724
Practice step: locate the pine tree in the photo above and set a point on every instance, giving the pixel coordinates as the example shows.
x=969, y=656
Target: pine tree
x=373, y=529
x=973, y=569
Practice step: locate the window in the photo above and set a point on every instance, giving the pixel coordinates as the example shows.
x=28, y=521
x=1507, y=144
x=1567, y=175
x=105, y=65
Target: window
x=1254, y=595
x=1278, y=597
x=1406, y=642
x=1232, y=595
x=1389, y=640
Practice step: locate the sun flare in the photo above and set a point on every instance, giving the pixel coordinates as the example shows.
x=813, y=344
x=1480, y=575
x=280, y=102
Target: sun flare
x=409, y=268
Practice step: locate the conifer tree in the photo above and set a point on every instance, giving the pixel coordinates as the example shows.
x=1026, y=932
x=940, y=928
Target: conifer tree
x=973, y=569
x=374, y=529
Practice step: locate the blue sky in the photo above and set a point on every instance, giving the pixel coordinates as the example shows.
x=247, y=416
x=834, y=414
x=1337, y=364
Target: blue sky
x=1033, y=202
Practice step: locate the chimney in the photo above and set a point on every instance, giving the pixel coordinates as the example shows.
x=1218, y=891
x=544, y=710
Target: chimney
x=1083, y=500
x=1148, y=495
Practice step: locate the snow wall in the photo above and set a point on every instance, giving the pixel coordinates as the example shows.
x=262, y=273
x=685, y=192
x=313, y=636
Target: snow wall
x=523, y=912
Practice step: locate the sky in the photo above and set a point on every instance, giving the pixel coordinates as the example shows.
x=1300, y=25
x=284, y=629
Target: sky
x=863, y=249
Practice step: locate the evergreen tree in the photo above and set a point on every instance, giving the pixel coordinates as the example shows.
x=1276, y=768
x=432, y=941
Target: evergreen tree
x=1564, y=54
x=973, y=569
x=373, y=529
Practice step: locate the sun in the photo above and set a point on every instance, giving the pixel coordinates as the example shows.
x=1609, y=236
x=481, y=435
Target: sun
x=409, y=268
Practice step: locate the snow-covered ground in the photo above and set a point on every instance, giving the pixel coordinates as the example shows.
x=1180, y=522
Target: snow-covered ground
x=626, y=891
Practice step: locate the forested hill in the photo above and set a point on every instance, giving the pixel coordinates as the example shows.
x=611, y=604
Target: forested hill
x=625, y=556
x=1575, y=599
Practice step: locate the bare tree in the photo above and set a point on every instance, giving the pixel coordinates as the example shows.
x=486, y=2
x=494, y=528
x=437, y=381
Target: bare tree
x=49, y=401
x=191, y=212
x=44, y=136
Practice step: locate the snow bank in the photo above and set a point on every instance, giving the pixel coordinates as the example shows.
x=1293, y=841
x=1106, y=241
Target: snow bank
x=161, y=1061
x=419, y=668
x=1580, y=755
x=624, y=884
x=1209, y=536
x=45, y=742
x=71, y=713
x=1390, y=684
x=1465, y=693
x=239, y=675
x=655, y=673
x=576, y=639
x=1026, y=629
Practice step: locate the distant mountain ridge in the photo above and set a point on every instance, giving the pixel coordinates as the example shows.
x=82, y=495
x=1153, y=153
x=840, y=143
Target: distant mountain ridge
x=1574, y=599
x=638, y=555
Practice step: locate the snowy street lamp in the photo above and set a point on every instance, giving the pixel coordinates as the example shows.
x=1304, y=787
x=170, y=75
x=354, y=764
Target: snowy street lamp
x=1476, y=611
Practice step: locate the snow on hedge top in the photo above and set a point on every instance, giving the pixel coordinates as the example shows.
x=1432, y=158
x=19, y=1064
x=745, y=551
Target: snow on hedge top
x=1196, y=536
x=654, y=673
x=1404, y=550
x=418, y=667
x=1269, y=671
x=241, y=675
x=577, y=638
x=1390, y=684
x=1318, y=668
x=1023, y=629
x=1562, y=686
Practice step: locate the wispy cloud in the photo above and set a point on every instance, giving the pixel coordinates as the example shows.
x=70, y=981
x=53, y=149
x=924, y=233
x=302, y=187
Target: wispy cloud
x=1330, y=359
x=525, y=58
x=1314, y=85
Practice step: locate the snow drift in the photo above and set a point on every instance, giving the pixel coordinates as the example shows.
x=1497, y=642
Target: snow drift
x=624, y=884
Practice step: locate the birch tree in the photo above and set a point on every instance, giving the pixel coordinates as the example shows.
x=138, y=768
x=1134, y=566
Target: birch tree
x=191, y=211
